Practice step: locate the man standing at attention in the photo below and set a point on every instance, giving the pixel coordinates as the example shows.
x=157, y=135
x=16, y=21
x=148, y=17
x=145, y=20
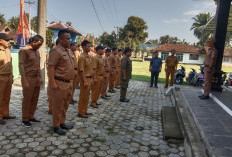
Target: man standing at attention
x=6, y=78
x=125, y=75
x=170, y=67
x=99, y=64
x=118, y=60
x=155, y=68
x=113, y=65
x=86, y=73
x=29, y=68
x=61, y=74
x=210, y=61
x=78, y=54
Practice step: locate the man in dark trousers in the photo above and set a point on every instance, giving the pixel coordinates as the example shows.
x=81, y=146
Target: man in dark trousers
x=125, y=74
x=155, y=68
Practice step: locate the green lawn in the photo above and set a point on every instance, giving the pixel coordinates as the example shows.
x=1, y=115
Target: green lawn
x=141, y=72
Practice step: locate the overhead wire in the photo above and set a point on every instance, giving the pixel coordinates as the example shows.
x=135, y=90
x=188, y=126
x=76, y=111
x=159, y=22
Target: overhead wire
x=97, y=15
x=110, y=10
x=106, y=12
x=116, y=13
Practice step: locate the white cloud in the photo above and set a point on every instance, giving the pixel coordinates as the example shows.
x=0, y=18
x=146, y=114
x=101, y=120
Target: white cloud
x=192, y=12
x=176, y=20
x=206, y=6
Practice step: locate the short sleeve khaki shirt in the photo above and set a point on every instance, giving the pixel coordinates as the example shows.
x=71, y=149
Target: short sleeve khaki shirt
x=85, y=64
x=99, y=65
x=62, y=59
x=112, y=61
x=211, y=55
x=171, y=61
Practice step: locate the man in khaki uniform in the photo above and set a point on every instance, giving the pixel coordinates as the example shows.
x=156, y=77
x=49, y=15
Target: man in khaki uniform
x=61, y=74
x=73, y=49
x=29, y=68
x=210, y=61
x=86, y=74
x=118, y=60
x=125, y=74
x=170, y=67
x=78, y=54
x=48, y=87
x=113, y=66
x=106, y=74
x=99, y=64
x=6, y=78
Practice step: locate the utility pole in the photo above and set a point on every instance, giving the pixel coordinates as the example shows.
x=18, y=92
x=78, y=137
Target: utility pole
x=42, y=13
x=117, y=30
x=29, y=19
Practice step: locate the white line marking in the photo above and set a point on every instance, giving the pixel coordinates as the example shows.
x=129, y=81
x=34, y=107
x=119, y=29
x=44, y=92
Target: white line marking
x=229, y=111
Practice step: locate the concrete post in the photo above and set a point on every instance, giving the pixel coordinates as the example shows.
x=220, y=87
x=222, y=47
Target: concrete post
x=42, y=13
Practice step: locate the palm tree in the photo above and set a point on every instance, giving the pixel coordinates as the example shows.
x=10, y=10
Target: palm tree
x=2, y=19
x=13, y=23
x=199, y=22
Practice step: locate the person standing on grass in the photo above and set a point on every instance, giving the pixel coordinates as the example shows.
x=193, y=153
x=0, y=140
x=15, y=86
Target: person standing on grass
x=155, y=68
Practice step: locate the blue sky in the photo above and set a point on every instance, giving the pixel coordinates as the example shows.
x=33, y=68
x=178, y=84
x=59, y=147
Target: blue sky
x=173, y=17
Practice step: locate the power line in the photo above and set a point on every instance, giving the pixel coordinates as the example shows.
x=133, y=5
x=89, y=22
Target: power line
x=106, y=12
x=116, y=13
x=111, y=12
x=97, y=15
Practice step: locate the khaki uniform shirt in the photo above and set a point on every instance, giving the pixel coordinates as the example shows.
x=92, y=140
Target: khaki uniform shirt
x=126, y=64
x=5, y=64
x=106, y=64
x=118, y=61
x=62, y=59
x=211, y=55
x=99, y=65
x=112, y=61
x=31, y=61
x=75, y=62
x=171, y=61
x=85, y=64
x=78, y=54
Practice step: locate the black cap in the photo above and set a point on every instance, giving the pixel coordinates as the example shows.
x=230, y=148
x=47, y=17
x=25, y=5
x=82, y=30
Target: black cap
x=5, y=37
x=99, y=47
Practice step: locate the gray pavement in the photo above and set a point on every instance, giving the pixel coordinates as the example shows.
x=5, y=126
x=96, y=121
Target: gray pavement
x=213, y=123
x=115, y=129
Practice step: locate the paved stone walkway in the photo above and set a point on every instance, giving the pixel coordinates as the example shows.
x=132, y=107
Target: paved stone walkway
x=115, y=129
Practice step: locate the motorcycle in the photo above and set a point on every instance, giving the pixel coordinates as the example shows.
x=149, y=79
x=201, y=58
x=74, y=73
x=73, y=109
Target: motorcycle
x=199, y=77
x=180, y=75
x=228, y=82
x=191, y=80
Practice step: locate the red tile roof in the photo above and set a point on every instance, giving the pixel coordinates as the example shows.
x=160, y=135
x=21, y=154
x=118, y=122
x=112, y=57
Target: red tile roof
x=60, y=25
x=178, y=47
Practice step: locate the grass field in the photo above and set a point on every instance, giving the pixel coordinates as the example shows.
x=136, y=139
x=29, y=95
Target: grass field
x=141, y=72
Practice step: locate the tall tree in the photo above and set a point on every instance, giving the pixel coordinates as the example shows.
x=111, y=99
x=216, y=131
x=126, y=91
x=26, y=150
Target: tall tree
x=134, y=32
x=200, y=21
x=13, y=23
x=108, y=40
x=2, y=19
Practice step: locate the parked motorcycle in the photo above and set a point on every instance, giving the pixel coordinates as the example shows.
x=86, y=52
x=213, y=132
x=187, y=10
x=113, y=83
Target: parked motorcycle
x=199, y=77
x=191, y=77
x=228, y=82
x=180, y=75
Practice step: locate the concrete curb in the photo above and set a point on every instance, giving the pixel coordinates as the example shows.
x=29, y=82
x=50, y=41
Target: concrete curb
x=193, y=144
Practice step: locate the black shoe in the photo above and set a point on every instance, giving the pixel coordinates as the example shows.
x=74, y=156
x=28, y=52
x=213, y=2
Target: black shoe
x=204, y=97
x=74, y=101
x=156, y=86
x=66, y=127
x=82, y=116
x=166, y=87
x=201, y=96
x=59, y=131
x=111, y=91
x=9, y=117
x=98, y=104
x=26, y=123
x=2, y=122
x=124, y=100
x=71, y=102
x=34, y=120
x=93, y=106
x=103, y=97
x=50, y=112
x=88, y=114
x=107, y=96
x=150, y=86
x=117, y=87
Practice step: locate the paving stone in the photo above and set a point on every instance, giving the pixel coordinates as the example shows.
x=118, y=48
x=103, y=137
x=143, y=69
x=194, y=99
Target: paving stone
x=77, y=155
x=101, y=153
x=31, y=154
x=143, y=154
x=89, y=154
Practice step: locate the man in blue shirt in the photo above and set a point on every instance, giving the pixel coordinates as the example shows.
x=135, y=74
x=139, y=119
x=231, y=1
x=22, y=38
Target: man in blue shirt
x=155, y=68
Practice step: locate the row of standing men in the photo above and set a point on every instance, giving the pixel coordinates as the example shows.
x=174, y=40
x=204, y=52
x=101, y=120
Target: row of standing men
x=67, y=68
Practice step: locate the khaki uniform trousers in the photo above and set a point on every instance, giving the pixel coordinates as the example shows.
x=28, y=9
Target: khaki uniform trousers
x=84, y=97
x=60, y=101
x=117, y=80
x=5, y=92
x=207, y=81
x=49, y=96
x=30, y=98
x=105, y=85
x=75, y=82
x=96, y=90
x=170, y=71
x=123, y=89
x=112, y=80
